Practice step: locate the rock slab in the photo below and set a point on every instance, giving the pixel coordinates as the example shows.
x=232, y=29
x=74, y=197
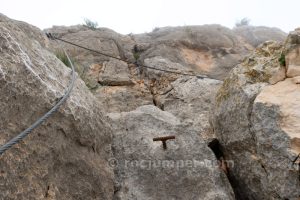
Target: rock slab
x=66, y=157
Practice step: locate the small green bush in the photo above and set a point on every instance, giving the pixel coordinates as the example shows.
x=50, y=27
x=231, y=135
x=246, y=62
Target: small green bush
x=282, y=60
x=90, y=24
x=63, y=58
x=155, y=29
x=243, y=22
x=191, y=33
x=136, y=55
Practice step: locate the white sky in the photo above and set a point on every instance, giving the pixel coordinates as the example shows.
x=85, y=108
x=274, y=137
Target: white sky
x=137, y=16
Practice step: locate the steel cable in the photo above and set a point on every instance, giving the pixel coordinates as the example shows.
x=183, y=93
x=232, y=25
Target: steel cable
x=38, y=122
x=104, y=54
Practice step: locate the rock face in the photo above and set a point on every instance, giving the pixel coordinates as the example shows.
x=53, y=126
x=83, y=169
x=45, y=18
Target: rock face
x=256, y=118
x=255, y=35
x=190, y=100
x=293, y=55
x=70, y=157
x=123, y=98
x=103, y=40
x=115, y=73
x=144, y=170
x=66, y=157
x=116, y=85
x=212, y=50
x=209, y=49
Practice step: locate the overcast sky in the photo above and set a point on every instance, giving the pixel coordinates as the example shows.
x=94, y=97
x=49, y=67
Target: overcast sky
x=137, y=16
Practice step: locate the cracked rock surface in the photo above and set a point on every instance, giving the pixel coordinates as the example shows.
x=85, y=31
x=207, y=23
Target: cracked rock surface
x=256, y=120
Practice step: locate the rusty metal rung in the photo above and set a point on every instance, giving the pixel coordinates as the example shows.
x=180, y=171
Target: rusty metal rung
x=164, y=140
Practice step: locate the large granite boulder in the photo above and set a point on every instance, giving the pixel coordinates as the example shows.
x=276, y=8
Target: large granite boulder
x=187, y=169
x=66, y=157
x=256, y=119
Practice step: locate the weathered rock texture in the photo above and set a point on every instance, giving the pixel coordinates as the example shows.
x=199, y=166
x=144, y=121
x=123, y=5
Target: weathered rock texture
x=65, y=158
x=115, y=73
x=211, y=49
x=255, y=35
x=190, y=100
x=256, y=118
x=114, y=83
x=293, y=55
x=187, y=169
